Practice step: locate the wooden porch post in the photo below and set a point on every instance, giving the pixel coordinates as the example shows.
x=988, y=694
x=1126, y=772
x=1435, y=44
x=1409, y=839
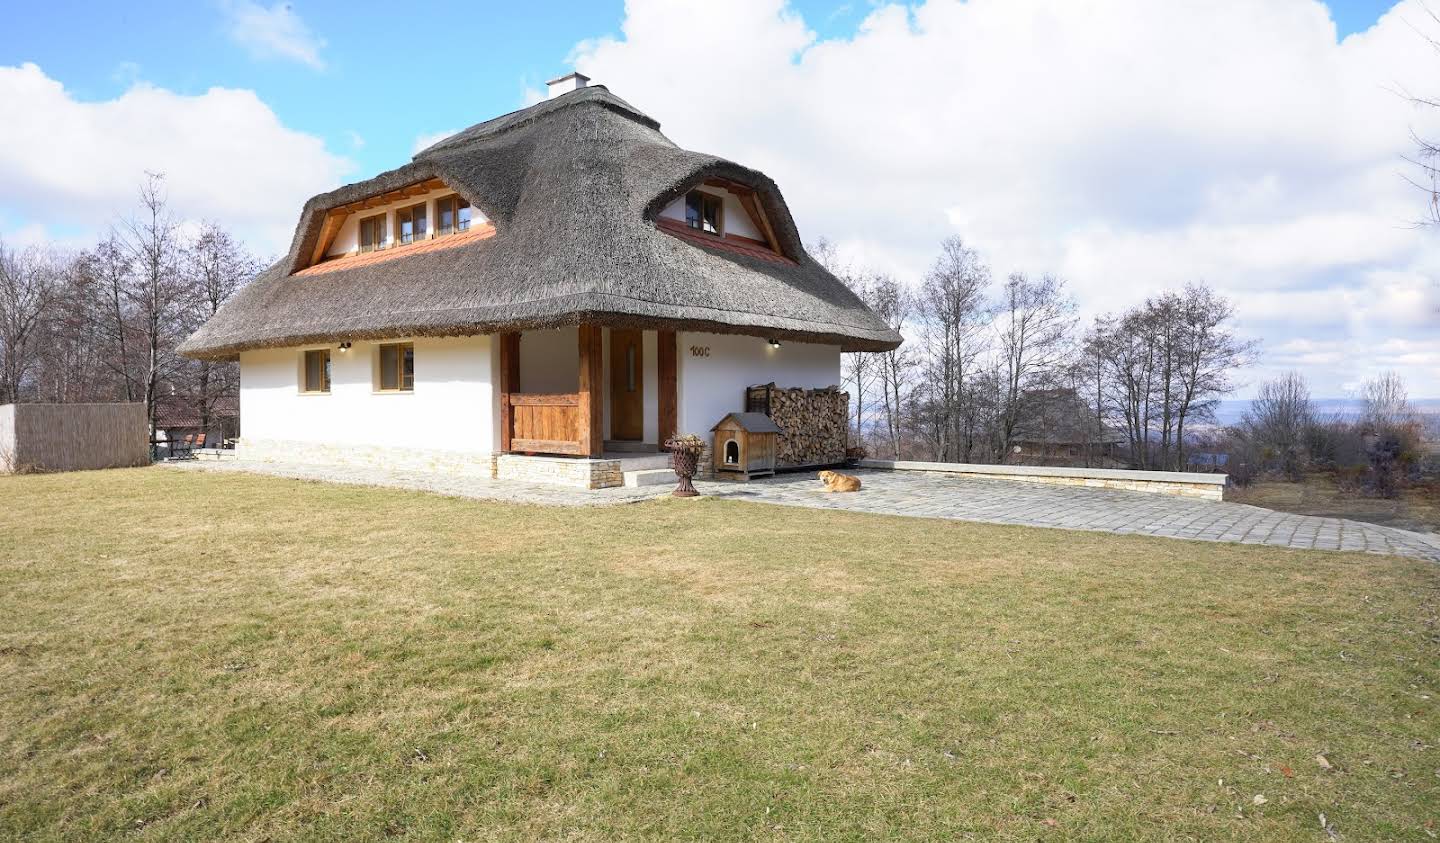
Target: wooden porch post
x=668, y=362
x=509, y=382
x=592, y=400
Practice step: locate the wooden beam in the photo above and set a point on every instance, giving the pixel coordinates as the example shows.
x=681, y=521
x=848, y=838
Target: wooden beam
x=395, y=195
x=547, y=446
x=592, y=400
x=509, y=383
x=328, y=230
x=752, y=207
x=668, y=360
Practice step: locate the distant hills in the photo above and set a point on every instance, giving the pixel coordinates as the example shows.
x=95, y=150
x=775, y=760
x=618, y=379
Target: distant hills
x=1229, y=411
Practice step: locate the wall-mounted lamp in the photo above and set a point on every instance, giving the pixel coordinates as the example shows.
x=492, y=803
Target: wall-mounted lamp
x=344, y=346
x=774, y=343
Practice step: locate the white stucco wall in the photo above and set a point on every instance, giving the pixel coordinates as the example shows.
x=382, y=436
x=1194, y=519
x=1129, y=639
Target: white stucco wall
x=452, y=408
x=711, y=386
x=736, y=221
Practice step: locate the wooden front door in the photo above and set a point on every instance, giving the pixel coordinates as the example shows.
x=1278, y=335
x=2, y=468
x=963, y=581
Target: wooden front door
x=627, y=386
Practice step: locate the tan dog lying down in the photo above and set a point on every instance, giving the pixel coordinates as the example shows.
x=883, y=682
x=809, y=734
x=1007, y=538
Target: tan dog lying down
x=836, y=482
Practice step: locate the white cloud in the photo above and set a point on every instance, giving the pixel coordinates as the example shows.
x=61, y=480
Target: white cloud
x=273, y=32
x=1127, y=145
x=429, y=139
x=74, y=167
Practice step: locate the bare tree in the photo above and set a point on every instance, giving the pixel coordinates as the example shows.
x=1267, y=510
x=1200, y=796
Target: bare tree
x=108, y=272
x=893, y=304
x=952, y=311
x=1278, y=421
x=858, y=369
x=1205, y=354
x=1127, y=345
x=1089, y=374
x=1033, y=328
x=156, y=292
x=1387, y=402
x=27, y=284
x=1169, y=360
x=215, y=267
x=1426, y=159
x=73, y=355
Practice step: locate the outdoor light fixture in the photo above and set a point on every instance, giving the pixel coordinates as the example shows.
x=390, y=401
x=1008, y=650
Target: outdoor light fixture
x=345, y=346
x=774, y=343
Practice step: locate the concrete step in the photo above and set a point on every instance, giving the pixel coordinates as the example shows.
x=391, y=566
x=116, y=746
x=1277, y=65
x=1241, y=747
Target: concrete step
x=649, y=477
x=641, y=462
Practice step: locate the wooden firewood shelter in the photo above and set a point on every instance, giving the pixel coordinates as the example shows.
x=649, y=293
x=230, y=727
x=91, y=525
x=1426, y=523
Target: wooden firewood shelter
x=745, y=445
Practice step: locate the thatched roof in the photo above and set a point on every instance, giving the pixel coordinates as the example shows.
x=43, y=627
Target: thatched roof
x=573, y=186
x=1060, y=417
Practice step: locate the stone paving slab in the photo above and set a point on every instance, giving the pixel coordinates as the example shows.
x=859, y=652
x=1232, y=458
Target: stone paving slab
x=930, y=495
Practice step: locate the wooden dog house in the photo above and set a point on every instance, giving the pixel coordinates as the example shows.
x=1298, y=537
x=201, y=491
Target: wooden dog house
x=745, y=445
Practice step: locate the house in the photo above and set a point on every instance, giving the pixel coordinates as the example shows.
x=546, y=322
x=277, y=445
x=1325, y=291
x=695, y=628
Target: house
x=530, y=298
x=1057, y=427
x=178, y=416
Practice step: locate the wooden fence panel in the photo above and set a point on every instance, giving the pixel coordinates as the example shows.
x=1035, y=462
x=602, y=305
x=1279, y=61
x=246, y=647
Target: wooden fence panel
x=71, y=437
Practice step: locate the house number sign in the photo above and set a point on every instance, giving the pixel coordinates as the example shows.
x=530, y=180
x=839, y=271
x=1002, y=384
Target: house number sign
x=699, y=351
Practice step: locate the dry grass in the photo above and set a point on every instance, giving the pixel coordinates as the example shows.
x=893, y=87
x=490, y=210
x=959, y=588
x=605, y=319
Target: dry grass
x=1417, y=507
x=329, y=662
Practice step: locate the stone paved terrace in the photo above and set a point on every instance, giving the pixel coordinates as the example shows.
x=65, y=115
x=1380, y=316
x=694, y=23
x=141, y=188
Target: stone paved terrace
x=929, y=495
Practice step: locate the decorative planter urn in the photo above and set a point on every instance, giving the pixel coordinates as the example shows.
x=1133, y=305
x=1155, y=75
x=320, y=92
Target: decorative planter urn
x=685, y=459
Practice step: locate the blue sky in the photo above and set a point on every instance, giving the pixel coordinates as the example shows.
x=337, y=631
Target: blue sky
x=496, y=50
x=1129, y=146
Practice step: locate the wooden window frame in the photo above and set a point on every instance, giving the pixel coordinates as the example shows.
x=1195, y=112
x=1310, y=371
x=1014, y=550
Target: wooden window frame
x=455, y=199
x=400, y=388
x=719, y=212
x=400, y=224
x=383, y=232
x=325, y=373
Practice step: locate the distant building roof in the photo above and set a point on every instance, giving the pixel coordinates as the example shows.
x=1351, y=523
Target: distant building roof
x=172, y=411
x=1061, y=417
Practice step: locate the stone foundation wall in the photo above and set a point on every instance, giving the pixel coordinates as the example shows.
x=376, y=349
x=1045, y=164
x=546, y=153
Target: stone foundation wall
x=1183, y=484
x=576, y=473
x=369, y=456
x=705, y=469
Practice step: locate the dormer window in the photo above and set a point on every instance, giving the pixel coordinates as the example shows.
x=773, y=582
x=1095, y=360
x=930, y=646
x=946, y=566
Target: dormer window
x=411, y=223
x=452, y=213
x=703, y=212
x=372, y=233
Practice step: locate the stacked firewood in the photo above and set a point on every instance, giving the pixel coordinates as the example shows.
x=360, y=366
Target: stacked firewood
x=815, y=424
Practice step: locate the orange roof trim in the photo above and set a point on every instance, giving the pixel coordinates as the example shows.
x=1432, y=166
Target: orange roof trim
x=484, y=231
x=733, y=243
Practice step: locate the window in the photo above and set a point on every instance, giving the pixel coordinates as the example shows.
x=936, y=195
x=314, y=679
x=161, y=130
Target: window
x=316, y=374
x=452, y=213
x=397, y=367
x=410, y=223
x=372, y=233
x=702, y=211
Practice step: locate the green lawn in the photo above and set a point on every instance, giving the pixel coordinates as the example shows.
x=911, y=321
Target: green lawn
x=188, y=656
